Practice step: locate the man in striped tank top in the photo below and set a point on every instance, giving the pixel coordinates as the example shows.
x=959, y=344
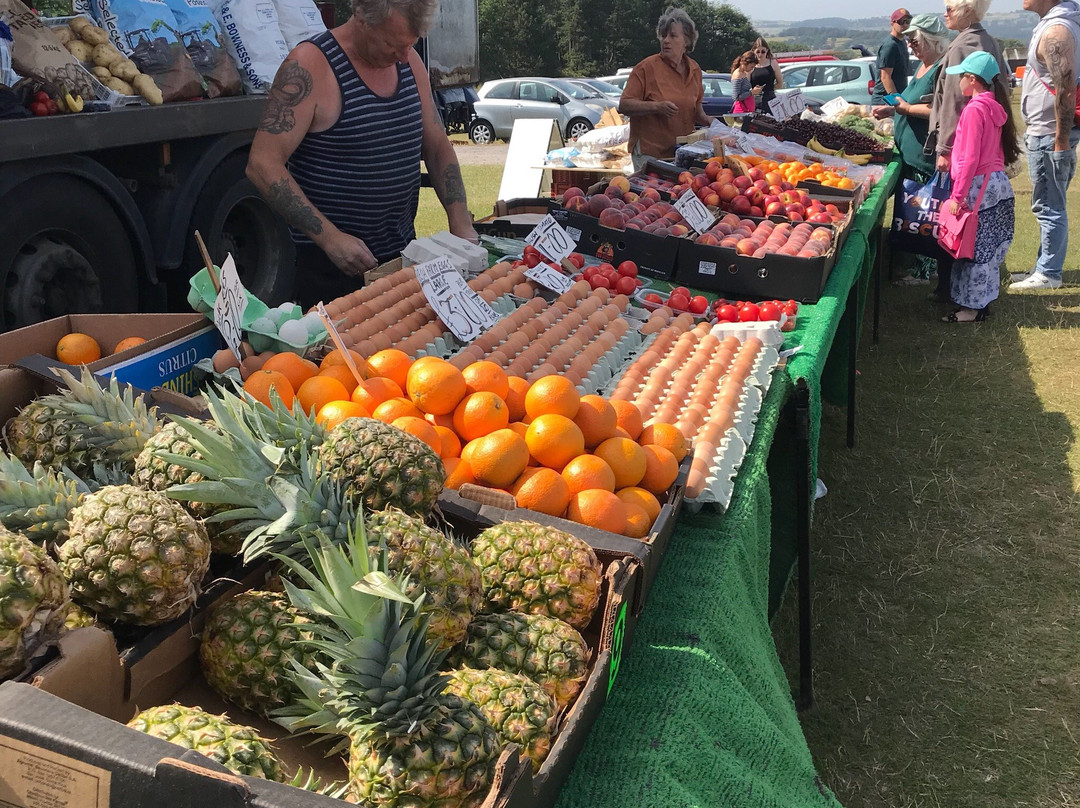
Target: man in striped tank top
x=337, y=154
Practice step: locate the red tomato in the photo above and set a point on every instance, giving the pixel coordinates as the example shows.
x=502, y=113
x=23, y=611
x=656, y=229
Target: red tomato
x=790, y=310
x=606, y=268
x=628, y=269
x=598, y=280
x=577, y=259
x=749, y=313
x=532, y=256
x=590, y=272
x=652, y=297
x=720, y=301
x=681, y=290
x=699, y=304
x=794, y=303
x=626, y=285
x=769, y=311
x=727, y=314
x=678, y=302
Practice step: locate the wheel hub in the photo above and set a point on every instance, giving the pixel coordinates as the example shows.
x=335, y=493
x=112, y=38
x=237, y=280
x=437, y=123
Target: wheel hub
x=48, y=278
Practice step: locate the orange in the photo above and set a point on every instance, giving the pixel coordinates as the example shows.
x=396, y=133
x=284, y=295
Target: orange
x=435, y=385
x=341, y=373
x=318, y=391
x=374, y=391
x=597, y=420
x=394, y=408
x=641, y=498
x=261, y=382
x=637, y=521
x=520, y=428
x=480, y=414
x=597, y=508
x=391, y=363
x=77, y=349
x=554, y=440
x=515, y=399
x=449, y=443
x=628, y=417
x=666, y=435
x=446, y=419
x=488, y=376
x=128, y=342
x=497, y=459
x=542, y=490
x=588, y=471
x=661, y=469
x=458, y=472
x=626, y=459
x=334, y=412
x=294, y=367
x=335, y=358
x=552, y=395
x=419, y=428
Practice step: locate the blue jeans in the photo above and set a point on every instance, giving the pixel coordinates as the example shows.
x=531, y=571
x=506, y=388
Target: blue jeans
x=1051, y=172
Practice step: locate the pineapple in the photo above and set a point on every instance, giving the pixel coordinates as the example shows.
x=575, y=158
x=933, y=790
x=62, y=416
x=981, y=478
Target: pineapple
x=435, y=566
x=134, y=555
x=152, y=471
x=245, y=650
x=517, y=707
x=37, y=503
x=410, y=742
x=381, y=466
x=77, y=617
x=236, y=747
x=550, y=652
x=536, y=569
x=33, y=600
x=81, y=427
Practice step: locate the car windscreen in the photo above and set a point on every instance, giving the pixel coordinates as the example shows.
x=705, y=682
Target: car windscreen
x=578, y=91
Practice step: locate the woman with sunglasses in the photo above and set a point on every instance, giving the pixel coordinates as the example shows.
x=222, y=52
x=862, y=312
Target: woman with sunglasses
x=766, y=76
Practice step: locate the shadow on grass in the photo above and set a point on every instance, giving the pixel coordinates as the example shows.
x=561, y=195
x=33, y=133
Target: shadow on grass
x=947, y=660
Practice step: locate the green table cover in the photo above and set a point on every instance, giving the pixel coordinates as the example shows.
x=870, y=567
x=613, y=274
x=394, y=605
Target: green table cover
x=701, y=713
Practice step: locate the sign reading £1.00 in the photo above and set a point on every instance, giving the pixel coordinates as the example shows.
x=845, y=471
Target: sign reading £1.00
x=464, y=312
x=549, y=238
x=230, y=305
x=695, y=213
x=549, y=278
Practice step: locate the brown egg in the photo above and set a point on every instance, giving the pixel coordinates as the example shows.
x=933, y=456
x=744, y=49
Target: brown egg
x=524, y=290
x=695, y=483
x=652, y=325
x=460, y=361
x=621, y=302
x=489, y=294
x=542, y=371
x=250, y=365
x=499, y=357
x=618, y=327
x=225, y=359
x=712, y=432
x=380, y=341
x=665, y=312
x=363, y=347
x=481, y=281
x=581, y=289
x=601, y=294
x=573, y=376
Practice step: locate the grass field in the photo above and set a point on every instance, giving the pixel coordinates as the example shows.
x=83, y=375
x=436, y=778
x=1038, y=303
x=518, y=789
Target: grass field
x=947, y=655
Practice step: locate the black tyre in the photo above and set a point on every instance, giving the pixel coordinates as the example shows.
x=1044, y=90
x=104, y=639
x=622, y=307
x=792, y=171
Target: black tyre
x=578, y=127
x=233, y=218
x=63, y=250
x=481, y=132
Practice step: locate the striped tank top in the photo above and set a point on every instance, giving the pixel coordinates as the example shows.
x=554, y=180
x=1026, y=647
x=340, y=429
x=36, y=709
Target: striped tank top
x=363, y=173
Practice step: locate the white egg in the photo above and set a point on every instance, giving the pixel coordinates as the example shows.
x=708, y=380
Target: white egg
x=294, y=332
x=264, y=324
x=313, y=323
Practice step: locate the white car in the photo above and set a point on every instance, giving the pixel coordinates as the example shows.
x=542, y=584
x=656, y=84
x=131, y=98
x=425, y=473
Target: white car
x=825, y=80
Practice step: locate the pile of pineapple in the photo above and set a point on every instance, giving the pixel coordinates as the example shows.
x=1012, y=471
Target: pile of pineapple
x=423, y=656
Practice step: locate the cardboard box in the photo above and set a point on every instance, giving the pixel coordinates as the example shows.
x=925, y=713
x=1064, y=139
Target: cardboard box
x=655, y=256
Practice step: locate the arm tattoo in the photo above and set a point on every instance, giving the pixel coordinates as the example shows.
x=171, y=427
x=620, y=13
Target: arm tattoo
x=453, y=186
x=292, y=208
x=1058, y=58
x=292, y=84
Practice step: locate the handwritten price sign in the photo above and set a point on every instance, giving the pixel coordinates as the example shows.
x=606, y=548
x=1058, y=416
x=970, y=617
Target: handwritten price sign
x=550, y=239
x=464, y=312
x=549, y=278
x=695, y=213
x=230, y=305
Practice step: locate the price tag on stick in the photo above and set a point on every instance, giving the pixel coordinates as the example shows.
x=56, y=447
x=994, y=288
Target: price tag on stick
x=331, y=329
x=695, y=213
x=549, y=278
x=464, y=312
x=229, y=307
x=550, y=239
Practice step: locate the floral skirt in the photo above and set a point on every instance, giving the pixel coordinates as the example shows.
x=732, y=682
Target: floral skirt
x=977, y=281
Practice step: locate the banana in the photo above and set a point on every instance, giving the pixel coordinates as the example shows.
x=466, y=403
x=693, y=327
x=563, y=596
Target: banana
x=74, y=102
x=816, y=146
x=60, y=105
x=857, y=159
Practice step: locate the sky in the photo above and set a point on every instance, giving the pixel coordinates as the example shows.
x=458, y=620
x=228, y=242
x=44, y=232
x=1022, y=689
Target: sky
x=795, y=10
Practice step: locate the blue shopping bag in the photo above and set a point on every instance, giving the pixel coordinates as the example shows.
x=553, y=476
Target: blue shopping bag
x=915, y=216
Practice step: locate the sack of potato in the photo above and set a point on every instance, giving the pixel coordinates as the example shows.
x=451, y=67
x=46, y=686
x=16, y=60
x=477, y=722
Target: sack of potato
x=90, y=44
x=37, y=53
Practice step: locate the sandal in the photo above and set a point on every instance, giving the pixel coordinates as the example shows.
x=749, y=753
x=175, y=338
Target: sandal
x=953, y=316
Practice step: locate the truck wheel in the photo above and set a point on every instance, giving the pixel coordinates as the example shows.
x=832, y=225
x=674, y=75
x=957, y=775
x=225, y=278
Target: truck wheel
x=63, y=251
x=481, y=132
x=233, y=218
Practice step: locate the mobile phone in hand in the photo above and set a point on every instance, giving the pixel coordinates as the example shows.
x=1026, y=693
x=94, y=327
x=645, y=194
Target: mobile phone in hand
x=892, y=99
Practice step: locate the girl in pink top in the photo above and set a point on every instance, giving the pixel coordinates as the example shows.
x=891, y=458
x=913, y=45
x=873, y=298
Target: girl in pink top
x=985, y=141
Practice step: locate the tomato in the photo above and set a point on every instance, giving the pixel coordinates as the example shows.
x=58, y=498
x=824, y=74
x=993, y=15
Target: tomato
x=678, y=302
x=532, y=256
x=628, y=269
x=606, y=268
x=652, y=297
x=790, y=310
x=727, y=314
x=597, y=281
x=794, y=303
x=681, y=290
x=699, y=304
x=720, y=301
x=577, y=259
x=41, y=96
x=625, y=285
x=749, y=313
x=769, y=311
x=590, y=272
x=39, y=108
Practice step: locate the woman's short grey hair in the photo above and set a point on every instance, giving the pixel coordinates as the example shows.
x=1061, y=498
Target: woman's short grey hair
x=976, y=8
x=418, y=13
x=676, y=16
x=931, y=46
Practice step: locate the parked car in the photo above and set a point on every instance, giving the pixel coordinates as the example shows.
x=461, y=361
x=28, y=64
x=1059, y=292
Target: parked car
x=719, y=97
x=824, y=81
x=576, y=109
x=610, y=91
x=616, y=81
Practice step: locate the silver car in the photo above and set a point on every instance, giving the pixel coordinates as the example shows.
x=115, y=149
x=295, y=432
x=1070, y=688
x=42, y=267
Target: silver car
x=612, y=92
x=825, y=80
x=576, y=109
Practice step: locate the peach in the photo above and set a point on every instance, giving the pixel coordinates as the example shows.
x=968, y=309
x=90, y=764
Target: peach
x=651, y=194
x=579, y=204
x=598, y=203
x=570, y=193
x=610, y=217
x=621, y=183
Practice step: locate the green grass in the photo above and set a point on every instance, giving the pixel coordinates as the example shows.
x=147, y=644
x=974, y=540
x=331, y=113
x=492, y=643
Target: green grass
x=947, y=657
x=481, y=189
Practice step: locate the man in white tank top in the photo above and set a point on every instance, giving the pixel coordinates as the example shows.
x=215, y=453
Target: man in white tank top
x=1048, y=103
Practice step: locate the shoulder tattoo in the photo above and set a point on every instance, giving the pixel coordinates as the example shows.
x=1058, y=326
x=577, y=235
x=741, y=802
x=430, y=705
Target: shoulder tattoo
x=292, y=85
x=292, y=208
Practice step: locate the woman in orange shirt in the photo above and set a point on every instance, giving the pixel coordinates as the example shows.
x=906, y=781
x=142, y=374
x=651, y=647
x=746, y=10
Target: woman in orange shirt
x=663, y=95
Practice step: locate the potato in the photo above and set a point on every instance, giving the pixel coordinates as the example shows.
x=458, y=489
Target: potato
x=105, y=54
x=119, y=85
x=146, y=87
x=79, y=23
x=124, y=69
x=80, y=50
x=94, y=35
x=101, y=72
x=65, y=35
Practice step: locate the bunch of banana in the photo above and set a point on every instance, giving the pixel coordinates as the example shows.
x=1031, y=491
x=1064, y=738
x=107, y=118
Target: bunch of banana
x=857, y=159
x=816, y=146
x=68, y=102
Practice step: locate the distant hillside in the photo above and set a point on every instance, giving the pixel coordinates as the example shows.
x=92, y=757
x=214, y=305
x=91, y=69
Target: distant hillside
x=834, y=32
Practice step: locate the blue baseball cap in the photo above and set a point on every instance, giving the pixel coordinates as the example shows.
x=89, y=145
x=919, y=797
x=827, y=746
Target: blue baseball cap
x=979, y=63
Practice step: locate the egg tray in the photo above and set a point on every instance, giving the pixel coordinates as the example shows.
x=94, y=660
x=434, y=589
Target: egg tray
x=447, y=345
